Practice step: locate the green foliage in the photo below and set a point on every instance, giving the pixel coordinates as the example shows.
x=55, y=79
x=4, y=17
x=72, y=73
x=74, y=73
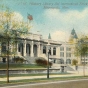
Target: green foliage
x=42, y=62
x=81, y=47
x=11, y=28
x=18, y=59
x=9, y=21
x=17, y=65
x=74, y=62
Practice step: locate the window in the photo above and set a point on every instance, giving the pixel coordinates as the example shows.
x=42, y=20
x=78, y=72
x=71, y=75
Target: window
x=18, y=47
x=61, y=48
x=68, y=61
x=61, y=54
x=3, y=47
x=28, y=48
x=68, y=54
x=68, y=49
x=54, y=51
x=44, y=49
x=61, y=61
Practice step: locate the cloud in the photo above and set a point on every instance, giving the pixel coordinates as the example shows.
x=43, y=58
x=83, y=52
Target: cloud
x=60, y=36
x=60, y=23
x=67, y=19
x=17, y=17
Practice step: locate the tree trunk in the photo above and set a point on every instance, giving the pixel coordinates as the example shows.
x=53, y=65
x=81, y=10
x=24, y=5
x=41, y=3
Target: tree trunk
x=84, y=67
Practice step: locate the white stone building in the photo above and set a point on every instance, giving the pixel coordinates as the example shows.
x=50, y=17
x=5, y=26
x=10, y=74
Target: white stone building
x=33, y=45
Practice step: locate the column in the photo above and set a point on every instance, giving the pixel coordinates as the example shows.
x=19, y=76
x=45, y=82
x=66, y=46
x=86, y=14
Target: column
x=38, y=49
x=52, y=51
x=47, y=49
x=24, y=47
x=32, y=54
x=41, y=49
x=58, y=52
x=65, y=54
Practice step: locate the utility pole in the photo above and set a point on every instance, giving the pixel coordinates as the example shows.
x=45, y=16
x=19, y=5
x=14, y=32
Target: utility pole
x=48, y=66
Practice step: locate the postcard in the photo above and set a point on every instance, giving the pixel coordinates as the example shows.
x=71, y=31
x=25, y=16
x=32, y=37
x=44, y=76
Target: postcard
x=42, y=39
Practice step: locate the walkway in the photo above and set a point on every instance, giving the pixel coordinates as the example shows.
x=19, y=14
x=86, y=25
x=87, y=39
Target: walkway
x=74, y=73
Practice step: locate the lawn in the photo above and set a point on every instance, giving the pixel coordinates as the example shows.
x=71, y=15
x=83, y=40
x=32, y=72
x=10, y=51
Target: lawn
x=4, y=66
x=17, y=82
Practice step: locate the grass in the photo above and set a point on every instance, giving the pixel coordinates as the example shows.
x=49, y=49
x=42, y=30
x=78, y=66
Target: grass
x=4, y=66
x=15, y=66
x=42, y=80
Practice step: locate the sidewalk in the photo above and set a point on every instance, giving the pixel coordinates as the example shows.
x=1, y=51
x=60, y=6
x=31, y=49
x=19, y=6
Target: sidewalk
x=74, y=73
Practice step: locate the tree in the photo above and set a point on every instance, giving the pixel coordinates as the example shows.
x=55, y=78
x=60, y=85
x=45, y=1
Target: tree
x=18, y=59
x=12, y=26
x=75, y=62
x=81, y=49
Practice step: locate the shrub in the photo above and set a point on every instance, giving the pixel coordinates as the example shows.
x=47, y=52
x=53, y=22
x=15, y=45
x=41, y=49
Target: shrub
x=74, y=62
x=18, y=59
x=42, y=61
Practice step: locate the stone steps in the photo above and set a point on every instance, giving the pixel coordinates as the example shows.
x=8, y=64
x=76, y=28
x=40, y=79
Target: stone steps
x=70, y=68
x=30, y=60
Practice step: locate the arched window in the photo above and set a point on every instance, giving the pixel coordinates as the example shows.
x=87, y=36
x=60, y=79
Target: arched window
x=68, y=61
x=28, y=49
x=20, y=48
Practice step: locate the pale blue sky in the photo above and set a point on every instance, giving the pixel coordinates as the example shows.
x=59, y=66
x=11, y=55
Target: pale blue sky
x=58, y=22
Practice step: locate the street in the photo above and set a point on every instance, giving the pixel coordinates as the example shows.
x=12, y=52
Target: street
x=59, y=84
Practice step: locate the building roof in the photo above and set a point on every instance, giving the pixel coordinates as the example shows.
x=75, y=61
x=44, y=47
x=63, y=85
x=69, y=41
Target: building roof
x=73, y=33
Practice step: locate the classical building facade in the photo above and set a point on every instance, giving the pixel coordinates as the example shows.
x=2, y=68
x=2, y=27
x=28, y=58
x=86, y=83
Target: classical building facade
x=33, y=45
